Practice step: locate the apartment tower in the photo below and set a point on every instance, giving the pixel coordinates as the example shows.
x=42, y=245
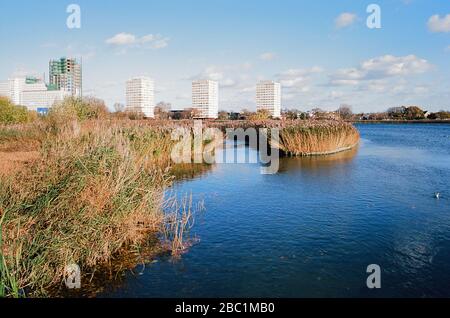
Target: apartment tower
x=268, y=97
x=205, y=98
x=140, y=96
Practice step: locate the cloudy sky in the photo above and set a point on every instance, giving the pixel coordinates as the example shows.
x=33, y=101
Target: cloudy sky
x=321, y=51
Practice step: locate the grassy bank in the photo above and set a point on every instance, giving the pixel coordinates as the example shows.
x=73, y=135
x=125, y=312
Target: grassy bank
x=94, y=190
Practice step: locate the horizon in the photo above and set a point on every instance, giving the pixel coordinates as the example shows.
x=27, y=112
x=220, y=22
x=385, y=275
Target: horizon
x=405, y=62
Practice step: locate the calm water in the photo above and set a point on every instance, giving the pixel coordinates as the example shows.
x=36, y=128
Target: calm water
x=312, y=229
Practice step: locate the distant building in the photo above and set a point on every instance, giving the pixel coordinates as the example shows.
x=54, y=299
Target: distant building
x=176, y=114
x=12, y=88
x=140, y=96
x=4, y=89
x=268, y=97
x=205, y=99
x=66, y=75
x=32, y=93
x=36, y=96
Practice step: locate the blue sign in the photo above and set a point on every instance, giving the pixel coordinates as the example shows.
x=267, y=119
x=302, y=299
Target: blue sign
x=42, y=111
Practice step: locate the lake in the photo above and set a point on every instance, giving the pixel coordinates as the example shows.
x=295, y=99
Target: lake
x=312, y=229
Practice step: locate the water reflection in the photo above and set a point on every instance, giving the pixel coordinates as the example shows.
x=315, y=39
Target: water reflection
x=188, y=171
x=318, y=162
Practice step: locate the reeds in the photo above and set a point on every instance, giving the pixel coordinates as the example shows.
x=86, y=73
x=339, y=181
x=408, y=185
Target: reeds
x=179, y=220
x=91, y=194
x=310, y=138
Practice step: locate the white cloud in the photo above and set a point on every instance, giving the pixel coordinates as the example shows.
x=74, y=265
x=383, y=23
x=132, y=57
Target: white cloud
x=381, y=67
x=160, y=43
x=268, y=56
x=297, y=78
x=389, y=65
x=212, y=73
x=147, y=38
x=299, y=72
x=131, y=40
x=345, y=19
x=438, y=24
x=226, y=75
x=122, y=39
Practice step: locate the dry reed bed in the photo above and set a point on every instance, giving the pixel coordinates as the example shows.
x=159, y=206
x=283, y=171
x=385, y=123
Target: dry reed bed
x=96, y=189
x=319, y=138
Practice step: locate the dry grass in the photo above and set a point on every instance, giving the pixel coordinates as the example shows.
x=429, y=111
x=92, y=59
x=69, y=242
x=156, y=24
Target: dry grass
x=89, y=196
x=179, y=220
x=317, y=138
x=11, y=162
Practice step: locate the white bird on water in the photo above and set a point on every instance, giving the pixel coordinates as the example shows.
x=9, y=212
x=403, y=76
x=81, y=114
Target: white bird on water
x=437, y=195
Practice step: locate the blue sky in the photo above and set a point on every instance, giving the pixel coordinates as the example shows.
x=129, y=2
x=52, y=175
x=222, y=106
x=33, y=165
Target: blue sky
x=321, y=51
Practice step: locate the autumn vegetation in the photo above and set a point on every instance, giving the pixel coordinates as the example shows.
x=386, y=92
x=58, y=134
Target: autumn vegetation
x=94, y=189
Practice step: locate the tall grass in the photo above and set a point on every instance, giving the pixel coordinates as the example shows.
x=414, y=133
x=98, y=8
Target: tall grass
x=97, y=190
x=89, y=196
x=317, y=138
x=179, y=220
x=304, y=137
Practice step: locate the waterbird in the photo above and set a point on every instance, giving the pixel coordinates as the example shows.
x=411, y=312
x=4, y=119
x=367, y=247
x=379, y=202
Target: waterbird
x=437, y=195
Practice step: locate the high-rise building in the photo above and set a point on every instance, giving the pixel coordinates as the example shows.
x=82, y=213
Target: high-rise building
x=268, y=97
x=140, y=96
x=205, y=98
x=66, y=75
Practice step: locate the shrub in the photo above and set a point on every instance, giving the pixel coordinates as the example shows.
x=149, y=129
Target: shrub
x=12, y=114
x=80, y=108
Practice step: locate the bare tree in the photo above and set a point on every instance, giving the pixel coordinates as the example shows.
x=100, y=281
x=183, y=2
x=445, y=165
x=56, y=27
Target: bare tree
x=345, y=112
x=224, y=115
x=119, y=107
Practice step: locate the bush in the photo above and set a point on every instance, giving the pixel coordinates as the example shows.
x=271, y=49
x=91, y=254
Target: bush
x=12, y=114
x=80, y=108
x=75, y=109
x=439, y=115
x=261, y=114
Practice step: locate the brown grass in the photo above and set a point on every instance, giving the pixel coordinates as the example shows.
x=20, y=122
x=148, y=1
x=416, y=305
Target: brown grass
x=93, y=189
x=12, y=162
x=318, y=138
